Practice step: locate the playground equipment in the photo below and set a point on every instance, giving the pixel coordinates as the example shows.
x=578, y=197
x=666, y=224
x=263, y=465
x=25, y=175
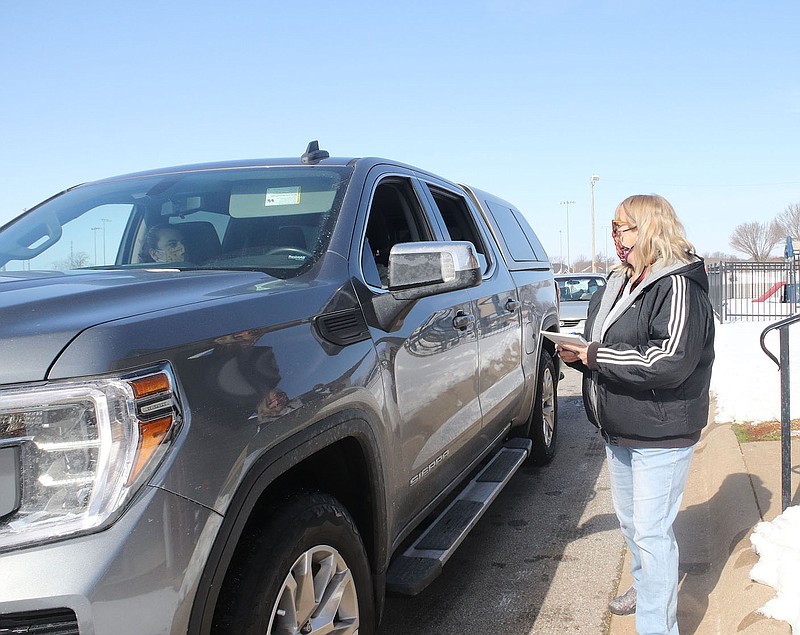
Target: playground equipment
x=791, y=293
x=772, y=290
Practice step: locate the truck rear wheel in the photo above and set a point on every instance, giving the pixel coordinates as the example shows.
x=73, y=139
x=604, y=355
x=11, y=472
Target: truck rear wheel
x=543, y=425
x=305, y=572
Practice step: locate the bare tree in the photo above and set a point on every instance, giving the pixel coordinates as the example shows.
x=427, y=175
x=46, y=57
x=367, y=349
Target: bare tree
x=75, y=260
x=581, y=264
x=605, y=263
x=789, y=221
x=756, y=240
x=714, y=256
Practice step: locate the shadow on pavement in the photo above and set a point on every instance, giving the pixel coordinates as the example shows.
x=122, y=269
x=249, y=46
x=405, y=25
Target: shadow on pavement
x=703, y=557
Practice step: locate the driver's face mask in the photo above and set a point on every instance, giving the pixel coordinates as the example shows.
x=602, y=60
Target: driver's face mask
x=170, y=250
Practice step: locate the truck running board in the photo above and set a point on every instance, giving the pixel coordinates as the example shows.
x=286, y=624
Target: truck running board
x=422, y=562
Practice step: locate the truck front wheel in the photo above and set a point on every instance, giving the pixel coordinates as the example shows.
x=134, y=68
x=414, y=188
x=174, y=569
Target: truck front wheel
x=306, y=571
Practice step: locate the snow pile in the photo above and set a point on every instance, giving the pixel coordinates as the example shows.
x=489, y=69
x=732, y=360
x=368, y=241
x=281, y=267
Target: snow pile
x=747, y=386
x=747, y=383
x=778, y=545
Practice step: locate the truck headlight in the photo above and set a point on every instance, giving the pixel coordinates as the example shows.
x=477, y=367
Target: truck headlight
x=75, y=452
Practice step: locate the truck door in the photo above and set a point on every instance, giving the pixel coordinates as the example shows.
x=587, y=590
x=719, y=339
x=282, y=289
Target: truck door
x=501, y=378
x=429, y=357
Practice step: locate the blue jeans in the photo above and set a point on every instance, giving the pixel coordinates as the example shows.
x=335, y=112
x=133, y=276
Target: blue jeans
x=647, y=488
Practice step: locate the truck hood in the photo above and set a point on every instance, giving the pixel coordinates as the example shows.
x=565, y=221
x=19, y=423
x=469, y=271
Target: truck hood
x=42, y=312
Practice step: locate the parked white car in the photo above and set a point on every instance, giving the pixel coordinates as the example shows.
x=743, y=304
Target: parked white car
x=575, y=290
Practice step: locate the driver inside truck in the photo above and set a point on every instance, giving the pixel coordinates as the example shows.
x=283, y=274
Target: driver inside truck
x=163, y=243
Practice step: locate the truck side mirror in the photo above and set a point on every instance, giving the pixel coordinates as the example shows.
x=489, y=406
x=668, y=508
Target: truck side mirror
x=421, y=269
x=418, y=270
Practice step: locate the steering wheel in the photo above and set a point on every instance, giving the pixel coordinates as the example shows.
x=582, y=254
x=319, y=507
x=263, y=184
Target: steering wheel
x=288, y=251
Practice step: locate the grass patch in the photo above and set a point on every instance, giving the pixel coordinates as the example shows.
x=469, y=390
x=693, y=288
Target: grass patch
x=762, y=431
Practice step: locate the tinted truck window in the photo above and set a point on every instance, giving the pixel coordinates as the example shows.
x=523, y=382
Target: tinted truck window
x=522, y=243
x=459, y=222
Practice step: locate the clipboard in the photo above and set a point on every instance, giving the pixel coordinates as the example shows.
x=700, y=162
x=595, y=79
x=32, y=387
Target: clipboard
x=566, y=338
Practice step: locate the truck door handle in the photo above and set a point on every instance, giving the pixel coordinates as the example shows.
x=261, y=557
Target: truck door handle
x=512, y=305
x=462, y=320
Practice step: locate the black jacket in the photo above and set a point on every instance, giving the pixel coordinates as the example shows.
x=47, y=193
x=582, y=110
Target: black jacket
x=650, y=355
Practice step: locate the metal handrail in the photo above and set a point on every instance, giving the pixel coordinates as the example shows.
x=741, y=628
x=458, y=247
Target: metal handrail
x=786, y=420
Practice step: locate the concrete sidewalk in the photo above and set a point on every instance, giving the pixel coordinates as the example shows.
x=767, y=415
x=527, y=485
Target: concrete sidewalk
x=731, y=488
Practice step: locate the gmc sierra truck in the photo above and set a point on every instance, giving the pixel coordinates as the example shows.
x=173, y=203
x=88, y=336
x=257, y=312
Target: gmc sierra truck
x=254, y=396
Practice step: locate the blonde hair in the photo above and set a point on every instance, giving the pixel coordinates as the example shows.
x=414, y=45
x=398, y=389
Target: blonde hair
x=660, y=235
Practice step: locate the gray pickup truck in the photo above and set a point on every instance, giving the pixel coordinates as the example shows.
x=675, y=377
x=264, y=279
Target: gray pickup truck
x=253, y=396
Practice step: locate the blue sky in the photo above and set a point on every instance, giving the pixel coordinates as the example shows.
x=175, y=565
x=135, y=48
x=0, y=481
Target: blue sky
x=697, y=101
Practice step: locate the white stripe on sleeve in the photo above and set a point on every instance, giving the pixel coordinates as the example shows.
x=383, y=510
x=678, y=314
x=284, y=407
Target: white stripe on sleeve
x=668, y=348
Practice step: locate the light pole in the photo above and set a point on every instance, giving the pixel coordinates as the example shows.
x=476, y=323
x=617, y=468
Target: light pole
x=103, y=222
x=94, y=231
x=568, y=203
x=592, y=181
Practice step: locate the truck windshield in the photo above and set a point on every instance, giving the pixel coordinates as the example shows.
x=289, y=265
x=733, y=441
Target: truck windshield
x=276, y=219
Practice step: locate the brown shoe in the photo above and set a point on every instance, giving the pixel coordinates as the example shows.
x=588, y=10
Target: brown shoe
x=624, y=604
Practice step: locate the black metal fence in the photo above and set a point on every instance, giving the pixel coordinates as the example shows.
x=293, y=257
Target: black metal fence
x=754, y=290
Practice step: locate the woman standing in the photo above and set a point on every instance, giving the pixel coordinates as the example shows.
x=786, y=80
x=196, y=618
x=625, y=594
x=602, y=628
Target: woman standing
x=647, y=371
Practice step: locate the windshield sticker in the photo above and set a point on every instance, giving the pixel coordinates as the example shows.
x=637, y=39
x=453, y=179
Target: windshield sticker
x=282, y=196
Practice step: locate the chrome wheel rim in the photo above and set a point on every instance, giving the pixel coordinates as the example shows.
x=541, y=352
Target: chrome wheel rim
x=317, y=596
x=548, y=406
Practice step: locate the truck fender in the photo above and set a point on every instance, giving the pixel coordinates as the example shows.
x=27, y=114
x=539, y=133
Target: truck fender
x=355, y=425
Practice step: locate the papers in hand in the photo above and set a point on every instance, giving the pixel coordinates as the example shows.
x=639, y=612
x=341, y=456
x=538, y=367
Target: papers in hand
x=574, y=339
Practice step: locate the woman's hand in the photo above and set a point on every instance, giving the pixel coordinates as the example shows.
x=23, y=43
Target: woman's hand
x=572, y=353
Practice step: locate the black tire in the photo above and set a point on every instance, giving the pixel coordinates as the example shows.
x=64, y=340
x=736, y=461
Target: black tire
x=543, y=424
x=307, y=541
